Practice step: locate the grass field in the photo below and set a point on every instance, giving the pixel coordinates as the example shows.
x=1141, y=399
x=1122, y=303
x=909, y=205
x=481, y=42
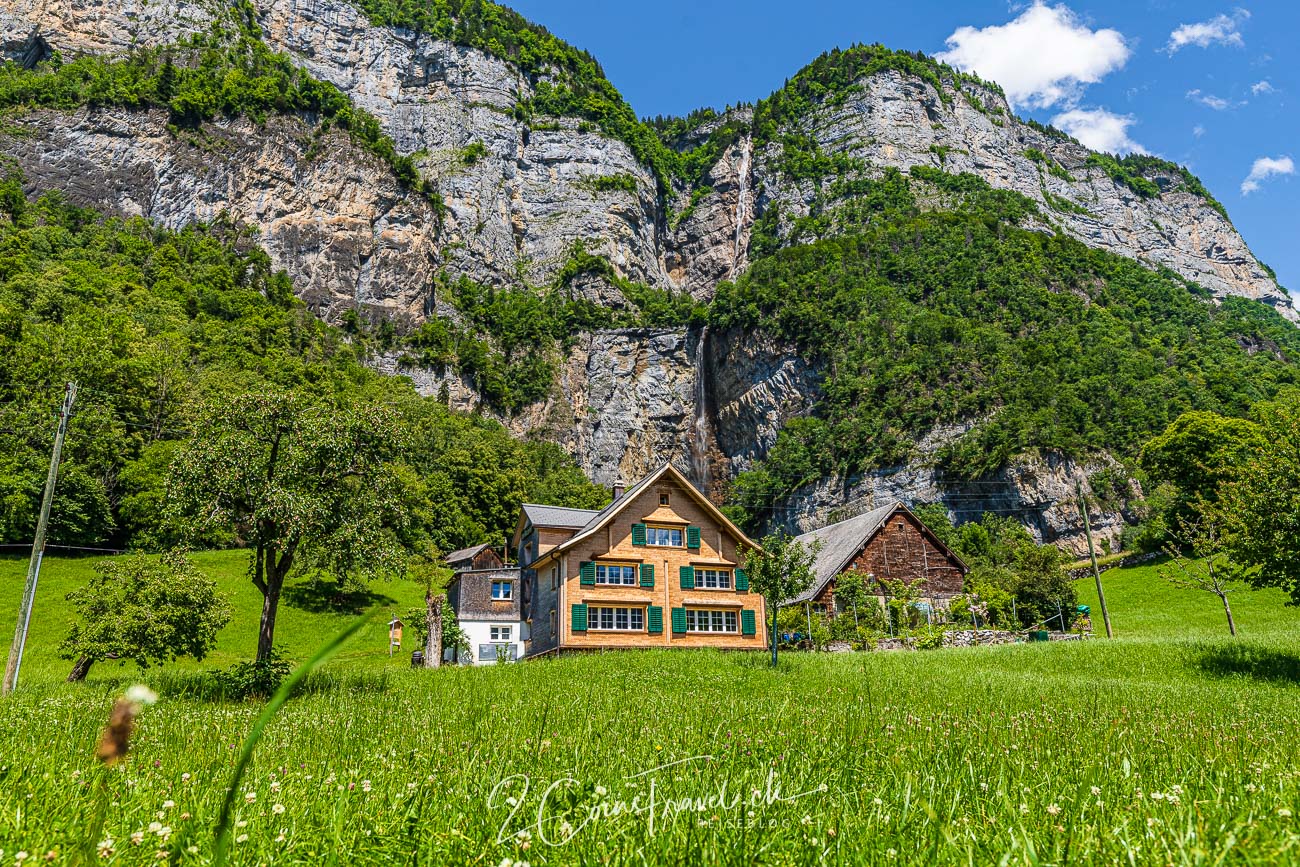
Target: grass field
x=1172, y=745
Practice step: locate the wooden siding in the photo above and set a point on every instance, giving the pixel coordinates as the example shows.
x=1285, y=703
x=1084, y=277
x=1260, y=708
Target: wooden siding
x=613, y=544
x=903, y=551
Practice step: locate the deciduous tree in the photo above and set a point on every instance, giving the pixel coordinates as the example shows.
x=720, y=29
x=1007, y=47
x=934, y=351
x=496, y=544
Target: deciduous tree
x=1261, y=505
x=778, y=570
x=298, y=484
x=1208, y=567
x=145, y=609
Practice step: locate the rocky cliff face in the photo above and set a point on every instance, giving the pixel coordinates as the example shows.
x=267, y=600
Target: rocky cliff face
x=517, y=194
x=337, y=221
x=1040, y=491
x=517, y=204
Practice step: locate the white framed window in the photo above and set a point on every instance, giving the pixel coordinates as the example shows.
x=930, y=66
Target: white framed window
x=552, y=619
x=616, y=619
x=615, y=574
x=500, y=633
x=503, y=591
x=555, y=577
x=713, y=579
x=663, y=537
x=708, y=620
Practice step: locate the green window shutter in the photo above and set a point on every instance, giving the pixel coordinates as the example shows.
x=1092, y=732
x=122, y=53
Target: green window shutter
x=588, y=572
x=679, y=621
x=579, y=618
x=654, y=619
x=742, y=579
x=688, y=578
x=747, y=626
x=648, y=575
x=693, y=538
x=638, y=534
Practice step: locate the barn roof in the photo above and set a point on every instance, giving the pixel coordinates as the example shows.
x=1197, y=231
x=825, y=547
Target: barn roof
x=843, y=541
x=840, y=543
x=465, y=554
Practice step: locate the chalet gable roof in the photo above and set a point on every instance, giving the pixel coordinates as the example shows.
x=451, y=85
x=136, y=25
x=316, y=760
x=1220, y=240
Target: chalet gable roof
x=605, y=515
x=560, y=517
x=843, y=541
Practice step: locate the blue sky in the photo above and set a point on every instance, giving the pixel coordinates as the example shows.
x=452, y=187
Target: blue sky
x=1211, y=85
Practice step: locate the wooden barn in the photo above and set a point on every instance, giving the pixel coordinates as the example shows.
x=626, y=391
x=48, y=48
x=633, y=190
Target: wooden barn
x=887, y=544
x=477, y=558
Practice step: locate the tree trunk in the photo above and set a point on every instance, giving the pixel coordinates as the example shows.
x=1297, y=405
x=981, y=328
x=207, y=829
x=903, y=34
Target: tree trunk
x=774, y=613
x=1227, y=609
x=80, y=669
x=433, y=620
x=270, y=605
x=275, y=573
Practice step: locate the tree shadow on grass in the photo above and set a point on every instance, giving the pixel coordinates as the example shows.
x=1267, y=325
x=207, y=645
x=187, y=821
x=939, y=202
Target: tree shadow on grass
x=1249, y=660
x=328, y=597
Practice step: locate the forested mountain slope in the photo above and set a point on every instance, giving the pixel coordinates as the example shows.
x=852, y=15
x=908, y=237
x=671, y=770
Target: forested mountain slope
x=473, y=198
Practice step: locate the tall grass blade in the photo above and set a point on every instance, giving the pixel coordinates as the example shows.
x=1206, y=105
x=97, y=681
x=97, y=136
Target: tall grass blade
x=222, y=845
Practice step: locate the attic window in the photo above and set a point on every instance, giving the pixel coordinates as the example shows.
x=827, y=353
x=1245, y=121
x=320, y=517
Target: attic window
x=664, y=498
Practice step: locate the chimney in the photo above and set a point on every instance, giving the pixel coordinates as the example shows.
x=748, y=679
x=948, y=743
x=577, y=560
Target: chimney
x=619, y=488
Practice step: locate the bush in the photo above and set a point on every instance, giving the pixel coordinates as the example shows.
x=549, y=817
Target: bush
x=254, y=678
x=928, y=637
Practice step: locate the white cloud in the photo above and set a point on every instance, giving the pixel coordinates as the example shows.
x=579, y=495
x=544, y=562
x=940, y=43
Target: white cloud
x=1209, y=100
x=1100, y=129
x=1264, y=168
x=1043, y=58
x=1198, y=130
x=1264, y=86
x=1221, y=30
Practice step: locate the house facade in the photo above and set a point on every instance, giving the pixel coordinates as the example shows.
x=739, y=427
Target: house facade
x=886, y=544
x=489, y=606
x=658, y=567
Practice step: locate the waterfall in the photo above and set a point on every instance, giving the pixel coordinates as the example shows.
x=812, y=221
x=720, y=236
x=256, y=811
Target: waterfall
x=742, y=203
x=702, y=431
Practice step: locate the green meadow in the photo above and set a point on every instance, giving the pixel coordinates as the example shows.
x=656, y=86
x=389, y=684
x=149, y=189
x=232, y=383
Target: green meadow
x=1171, y=745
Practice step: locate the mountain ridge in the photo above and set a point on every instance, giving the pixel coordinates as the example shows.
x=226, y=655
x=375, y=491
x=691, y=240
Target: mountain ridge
x=564, y=220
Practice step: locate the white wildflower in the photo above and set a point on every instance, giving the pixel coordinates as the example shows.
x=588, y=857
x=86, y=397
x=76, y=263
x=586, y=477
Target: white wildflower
x=142, y=695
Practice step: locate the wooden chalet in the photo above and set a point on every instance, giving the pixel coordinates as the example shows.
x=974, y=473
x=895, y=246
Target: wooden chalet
x=658, y=567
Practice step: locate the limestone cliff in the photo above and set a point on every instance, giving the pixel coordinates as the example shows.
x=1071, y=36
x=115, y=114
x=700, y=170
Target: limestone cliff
x=516, y=192
x=531, y=187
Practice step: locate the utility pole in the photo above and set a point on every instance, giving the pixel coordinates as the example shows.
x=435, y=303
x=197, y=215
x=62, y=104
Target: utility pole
x=38, y=546
x=1092, y=552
